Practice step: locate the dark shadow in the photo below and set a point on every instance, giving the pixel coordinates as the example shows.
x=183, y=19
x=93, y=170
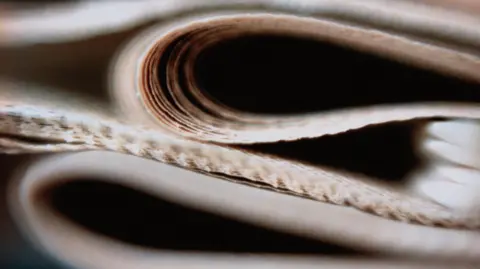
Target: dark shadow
x=287, y=75
x=140, y=219
x=384, y=151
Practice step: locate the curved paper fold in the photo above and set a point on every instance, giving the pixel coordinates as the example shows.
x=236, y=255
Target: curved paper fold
x=155, y=120
x=68, y=241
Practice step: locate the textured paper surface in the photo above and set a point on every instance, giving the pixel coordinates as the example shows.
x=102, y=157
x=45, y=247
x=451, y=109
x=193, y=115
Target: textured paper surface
x=117, y=83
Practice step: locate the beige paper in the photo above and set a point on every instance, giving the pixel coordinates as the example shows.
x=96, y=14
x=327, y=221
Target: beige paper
x=236, y=90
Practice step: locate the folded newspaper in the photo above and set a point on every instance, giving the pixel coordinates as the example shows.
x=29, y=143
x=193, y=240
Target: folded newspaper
x=253, y=133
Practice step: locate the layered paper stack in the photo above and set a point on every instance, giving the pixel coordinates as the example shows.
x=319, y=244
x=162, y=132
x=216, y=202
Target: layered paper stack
x=253, y=133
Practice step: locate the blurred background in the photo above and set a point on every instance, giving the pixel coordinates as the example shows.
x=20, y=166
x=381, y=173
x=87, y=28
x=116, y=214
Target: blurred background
x=16, y=253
